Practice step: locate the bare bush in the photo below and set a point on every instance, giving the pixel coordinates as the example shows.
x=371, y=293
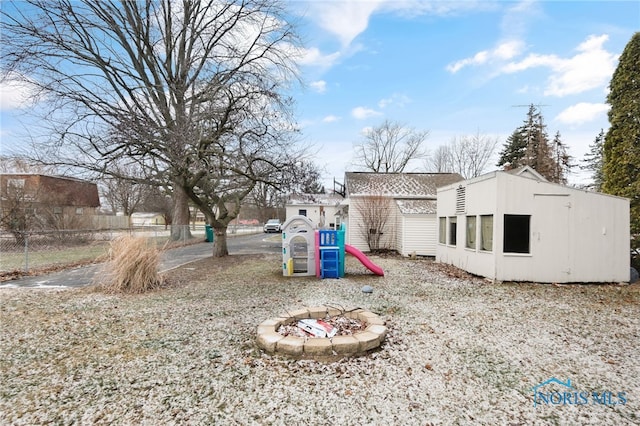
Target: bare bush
x=133, y=266
x=375, y=212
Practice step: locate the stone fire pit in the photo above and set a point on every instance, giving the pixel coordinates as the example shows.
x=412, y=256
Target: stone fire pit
x=358, y=343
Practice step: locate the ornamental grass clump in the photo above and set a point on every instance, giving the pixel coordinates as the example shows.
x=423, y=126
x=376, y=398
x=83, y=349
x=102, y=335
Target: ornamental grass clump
x=133, y=266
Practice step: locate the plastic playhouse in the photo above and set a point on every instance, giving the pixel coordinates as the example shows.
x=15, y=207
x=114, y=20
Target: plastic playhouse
x=308, y=251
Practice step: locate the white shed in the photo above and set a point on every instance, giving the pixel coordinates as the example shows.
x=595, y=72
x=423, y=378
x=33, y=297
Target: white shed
x=516, y=226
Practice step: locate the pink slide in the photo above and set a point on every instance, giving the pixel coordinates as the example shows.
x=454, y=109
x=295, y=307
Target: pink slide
x=364, y=260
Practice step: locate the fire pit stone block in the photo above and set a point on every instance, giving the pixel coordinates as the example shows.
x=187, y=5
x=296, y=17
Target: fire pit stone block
x=269, y=340
x=290, y=345
x=345, y=345
x=367, y=340
x=318, y=347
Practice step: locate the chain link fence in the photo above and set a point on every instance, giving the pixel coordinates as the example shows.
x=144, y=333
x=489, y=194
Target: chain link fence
x=25, y=251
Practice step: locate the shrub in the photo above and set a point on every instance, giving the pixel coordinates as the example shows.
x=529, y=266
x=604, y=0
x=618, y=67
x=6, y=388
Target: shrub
x=133, y=266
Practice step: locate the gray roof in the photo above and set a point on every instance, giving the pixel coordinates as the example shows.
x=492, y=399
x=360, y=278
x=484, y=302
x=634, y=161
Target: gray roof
x=414, y=206
x=314, y=199
x=398, y=185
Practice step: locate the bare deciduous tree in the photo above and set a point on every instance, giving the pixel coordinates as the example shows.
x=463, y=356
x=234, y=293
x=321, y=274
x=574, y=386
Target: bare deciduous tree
x=191, y=90
x=466, y=155
x=121, y=190
x=389, y=147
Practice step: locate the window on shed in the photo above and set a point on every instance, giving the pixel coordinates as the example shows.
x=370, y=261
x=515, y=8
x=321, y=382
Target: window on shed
x=57, y=210
x=516, y=233
x=302, y=212
x=453, y=222
x=486, y=232
x=79, y=210
x=471, y=232
x=442, y=230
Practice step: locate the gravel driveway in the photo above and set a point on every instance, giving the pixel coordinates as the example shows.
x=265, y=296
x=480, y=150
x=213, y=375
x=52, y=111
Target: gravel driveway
x=459, y=351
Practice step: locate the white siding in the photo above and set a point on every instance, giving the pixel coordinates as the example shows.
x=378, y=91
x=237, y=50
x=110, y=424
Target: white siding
x=419, y=235
x=574, y=235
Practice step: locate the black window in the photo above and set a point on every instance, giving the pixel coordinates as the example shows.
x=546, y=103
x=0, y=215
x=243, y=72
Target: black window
x=516, y=233
x=453, y=230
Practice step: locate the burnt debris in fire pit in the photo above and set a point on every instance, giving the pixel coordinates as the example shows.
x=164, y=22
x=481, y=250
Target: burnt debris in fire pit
x=329, y=326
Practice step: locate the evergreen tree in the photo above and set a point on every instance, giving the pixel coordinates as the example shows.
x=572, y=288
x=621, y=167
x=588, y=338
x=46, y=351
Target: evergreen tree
x=593, y=161
x=561, y=160
x=621, y=166
x=513, y=151
x=529, y=145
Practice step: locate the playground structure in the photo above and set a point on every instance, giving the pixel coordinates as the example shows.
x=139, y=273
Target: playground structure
x=307, y=251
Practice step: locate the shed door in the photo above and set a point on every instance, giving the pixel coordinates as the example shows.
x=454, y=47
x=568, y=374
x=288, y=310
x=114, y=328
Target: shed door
x=550, y=237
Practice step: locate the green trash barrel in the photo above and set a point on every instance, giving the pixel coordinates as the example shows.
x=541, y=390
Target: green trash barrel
x=209, y=233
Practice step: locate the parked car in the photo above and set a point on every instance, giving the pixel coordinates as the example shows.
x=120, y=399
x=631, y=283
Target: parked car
x=273, y=225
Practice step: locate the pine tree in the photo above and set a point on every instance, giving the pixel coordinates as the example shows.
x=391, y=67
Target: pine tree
x=529, y=145
x=621, y=168
x=513, y=151
x=561, y=160
x=593, y=161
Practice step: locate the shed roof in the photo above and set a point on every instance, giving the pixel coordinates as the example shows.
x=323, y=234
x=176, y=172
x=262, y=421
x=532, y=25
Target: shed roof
x=398, y=185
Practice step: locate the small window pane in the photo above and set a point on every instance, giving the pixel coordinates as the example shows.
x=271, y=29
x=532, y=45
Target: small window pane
x=442, y=230
x=453, y=231
x=486, y=232
x=471, y=232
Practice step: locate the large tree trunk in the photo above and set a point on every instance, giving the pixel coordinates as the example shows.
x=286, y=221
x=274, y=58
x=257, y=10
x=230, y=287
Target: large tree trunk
x=180, y=224
x=220, y=242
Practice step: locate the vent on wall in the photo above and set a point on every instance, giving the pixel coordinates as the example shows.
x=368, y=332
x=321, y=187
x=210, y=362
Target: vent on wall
x=461, y=200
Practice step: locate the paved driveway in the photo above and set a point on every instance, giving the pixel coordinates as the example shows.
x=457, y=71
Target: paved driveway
x=80, y=277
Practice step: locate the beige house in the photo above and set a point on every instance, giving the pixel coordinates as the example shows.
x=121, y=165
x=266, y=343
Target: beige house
x=395, y=211
x=516, y=226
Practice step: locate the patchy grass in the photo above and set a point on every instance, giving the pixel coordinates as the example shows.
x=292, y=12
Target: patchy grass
x=458, y=351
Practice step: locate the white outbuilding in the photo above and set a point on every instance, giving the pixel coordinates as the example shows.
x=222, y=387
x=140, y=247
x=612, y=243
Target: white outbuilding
x=516, y=226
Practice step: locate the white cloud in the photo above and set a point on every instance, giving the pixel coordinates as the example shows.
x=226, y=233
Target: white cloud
x=590, y=68
x=319, y=86
x=582, y=112
x=503, y=51
x=330, y=119
x=396, y=99
x=345, y=19
x=15, y=94
x=313, y=57
x=362, y=113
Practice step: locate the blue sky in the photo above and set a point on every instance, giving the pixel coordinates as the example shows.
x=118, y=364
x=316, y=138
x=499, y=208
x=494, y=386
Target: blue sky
x=453, y=68
x=457, y=68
